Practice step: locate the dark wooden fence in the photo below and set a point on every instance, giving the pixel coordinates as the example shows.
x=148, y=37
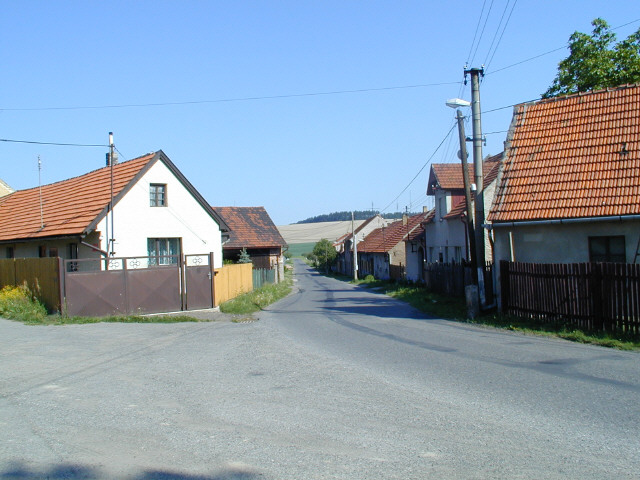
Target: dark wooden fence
x=590, y=296
x=451, y=279
x=42, y=276
x=261, y=276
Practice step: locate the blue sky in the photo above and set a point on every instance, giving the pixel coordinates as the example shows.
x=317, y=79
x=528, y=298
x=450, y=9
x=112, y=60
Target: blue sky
x=244, y=98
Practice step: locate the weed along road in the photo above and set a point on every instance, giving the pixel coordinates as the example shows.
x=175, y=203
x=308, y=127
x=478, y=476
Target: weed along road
x=333, y=382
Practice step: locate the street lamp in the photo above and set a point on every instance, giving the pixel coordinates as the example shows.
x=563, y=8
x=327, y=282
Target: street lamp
x=457, y=103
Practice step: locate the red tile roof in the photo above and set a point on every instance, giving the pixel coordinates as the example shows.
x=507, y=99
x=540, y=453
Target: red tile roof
x=383, y=239
x=251, y=227
x=572, y=157
x=448, y=176
x=69, y=207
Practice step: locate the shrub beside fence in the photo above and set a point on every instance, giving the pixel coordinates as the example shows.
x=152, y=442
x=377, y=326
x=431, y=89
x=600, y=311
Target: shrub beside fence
x=42, y=276
x=231, y=281
x=590, y=296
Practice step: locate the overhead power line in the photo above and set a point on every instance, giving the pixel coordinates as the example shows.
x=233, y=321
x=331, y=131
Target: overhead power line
x=53, y=143
x=227, y=100
x=421, y=169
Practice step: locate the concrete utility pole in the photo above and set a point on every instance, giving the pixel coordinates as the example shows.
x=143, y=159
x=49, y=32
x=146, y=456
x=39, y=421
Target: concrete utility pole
x=478, y=174
x=467, y=193
x=354, y=240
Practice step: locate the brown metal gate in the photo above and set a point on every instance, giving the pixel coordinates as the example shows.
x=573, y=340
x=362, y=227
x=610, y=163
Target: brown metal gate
x=138, y=285
x=198, y=273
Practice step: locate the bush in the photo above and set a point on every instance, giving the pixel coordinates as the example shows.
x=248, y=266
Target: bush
x=18, y=303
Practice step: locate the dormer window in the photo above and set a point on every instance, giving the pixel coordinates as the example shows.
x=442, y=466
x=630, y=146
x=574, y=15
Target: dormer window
x=158, y=195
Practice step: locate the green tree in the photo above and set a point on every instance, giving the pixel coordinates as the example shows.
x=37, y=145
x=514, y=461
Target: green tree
x=596, y=61
x=244, y=256
x=324, y=254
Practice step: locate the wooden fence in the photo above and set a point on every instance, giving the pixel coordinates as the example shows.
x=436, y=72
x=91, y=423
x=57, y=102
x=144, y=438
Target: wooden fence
x=231, y=281
x=42, y=276
x=262, y=276
x=590, y=296
x=451, y=279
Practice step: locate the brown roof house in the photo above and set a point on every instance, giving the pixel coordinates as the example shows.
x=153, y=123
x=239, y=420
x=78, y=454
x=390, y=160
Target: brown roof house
x=344, y=244
x=156, y=212
x=446, y=233
x=570, y=187
x=252, y=229
x=383, y=253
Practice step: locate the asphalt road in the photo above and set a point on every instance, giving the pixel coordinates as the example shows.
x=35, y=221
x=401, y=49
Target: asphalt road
x=332, y=382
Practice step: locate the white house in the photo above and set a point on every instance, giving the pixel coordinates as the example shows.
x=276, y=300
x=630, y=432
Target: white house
x=447, y=233
x=156, y=212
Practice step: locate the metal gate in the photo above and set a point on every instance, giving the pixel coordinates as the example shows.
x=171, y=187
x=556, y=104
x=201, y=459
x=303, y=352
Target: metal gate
x=198, y=272
x=138, y=285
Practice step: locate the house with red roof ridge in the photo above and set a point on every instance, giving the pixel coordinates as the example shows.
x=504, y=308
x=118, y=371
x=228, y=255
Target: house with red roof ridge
x=344, y=244
x=447, y=238
x=569, y=190
x=155, y=211
x=383, y=253
x=252, y=229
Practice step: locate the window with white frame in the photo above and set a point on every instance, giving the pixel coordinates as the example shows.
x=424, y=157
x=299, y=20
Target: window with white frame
x=158, y=195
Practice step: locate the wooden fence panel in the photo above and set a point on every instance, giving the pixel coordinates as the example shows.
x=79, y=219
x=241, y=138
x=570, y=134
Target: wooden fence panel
x=231, y=281
x=42, y=276
x=589, y=296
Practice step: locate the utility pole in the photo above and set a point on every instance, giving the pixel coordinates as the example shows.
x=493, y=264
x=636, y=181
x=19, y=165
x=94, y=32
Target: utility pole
x=354, y=240
x=478, y=174
x=467, y=194
x=111, y=162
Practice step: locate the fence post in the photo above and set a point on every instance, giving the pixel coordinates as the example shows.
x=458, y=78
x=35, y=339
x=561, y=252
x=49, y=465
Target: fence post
x=505, y=289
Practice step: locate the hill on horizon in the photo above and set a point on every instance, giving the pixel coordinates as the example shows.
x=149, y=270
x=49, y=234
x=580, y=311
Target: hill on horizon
x=346, y=216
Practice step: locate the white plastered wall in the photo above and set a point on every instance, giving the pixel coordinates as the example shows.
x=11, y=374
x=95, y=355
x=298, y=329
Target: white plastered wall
x=135, y=220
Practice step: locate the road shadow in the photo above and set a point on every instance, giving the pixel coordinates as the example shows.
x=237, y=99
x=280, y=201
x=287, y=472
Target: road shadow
x=70, y=471
x=383, y=307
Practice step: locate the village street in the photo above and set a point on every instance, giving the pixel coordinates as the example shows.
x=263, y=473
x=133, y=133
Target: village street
x=334, y=381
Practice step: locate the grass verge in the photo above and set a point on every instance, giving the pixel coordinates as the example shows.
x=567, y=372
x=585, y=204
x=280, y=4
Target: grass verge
x=260, y=298
x=453, y=308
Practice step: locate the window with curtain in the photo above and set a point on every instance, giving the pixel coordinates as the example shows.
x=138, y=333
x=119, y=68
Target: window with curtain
x=163, y=251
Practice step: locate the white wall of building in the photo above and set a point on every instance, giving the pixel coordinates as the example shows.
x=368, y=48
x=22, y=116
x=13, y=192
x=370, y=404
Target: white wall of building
x=135, y=220
x=565, y=243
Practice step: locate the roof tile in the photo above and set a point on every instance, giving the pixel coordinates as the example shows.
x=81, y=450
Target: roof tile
x=572, y=157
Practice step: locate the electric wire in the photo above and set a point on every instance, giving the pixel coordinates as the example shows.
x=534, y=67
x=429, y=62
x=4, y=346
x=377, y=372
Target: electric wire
x=58, y=144
x=551, y=51
x=228, y=100
x=420, y=171
x=482, y=32
x=475, y=34
x=488, y=61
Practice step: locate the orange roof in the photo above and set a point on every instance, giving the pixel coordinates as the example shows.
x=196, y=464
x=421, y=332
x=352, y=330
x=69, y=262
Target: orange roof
x=383, y=239
x=571, y=157
x=448, y=176
x=251, y=227
x=69, y=207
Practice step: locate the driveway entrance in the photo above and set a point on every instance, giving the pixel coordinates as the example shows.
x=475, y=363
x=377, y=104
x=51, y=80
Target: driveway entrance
x=137, y=285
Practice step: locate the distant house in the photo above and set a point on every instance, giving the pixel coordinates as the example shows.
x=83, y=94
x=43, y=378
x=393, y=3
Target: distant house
x=383, y=252
x=447, y=233
x=252, y=229
x=156, y=212
x=415, y=248
x=344, y=244
x=5, y=189
x=570, y=187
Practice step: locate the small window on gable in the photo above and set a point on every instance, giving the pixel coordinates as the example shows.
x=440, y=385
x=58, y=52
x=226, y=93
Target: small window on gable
x=42, y=251
x=607, y=249
x=10, y=252
x=158, y=195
